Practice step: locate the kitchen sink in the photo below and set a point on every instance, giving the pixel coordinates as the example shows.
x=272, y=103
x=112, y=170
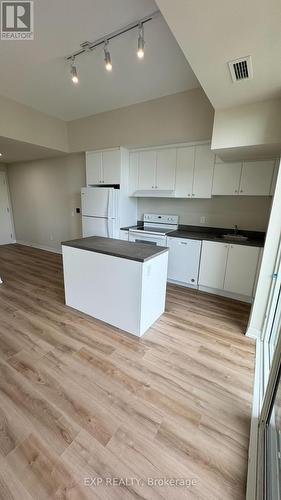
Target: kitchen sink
x=234, y=237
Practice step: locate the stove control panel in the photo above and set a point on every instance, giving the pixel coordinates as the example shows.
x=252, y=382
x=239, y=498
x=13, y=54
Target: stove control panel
x=161, y=219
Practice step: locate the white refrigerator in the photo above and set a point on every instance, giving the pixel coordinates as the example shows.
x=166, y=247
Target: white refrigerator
x=100, y=215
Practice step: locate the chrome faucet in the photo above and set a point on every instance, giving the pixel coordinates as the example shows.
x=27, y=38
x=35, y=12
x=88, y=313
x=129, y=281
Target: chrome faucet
x=235, y=229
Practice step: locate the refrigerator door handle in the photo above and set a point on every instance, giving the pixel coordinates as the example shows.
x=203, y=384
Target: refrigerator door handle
x=109, y=228
x=109, y=205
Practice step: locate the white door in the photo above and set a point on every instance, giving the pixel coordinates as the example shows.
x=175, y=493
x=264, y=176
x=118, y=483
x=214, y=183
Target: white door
x=184, y=172
x=6, y=228
x=184, y=258
x=147, y=170
x=93, y=168
x=213, y=264
x=97, y=227
x=256, y=178
x=241, y=269
x=226, y=178
x=111, y=167
x=203, y=172
x=95, y=201
x=166, y=169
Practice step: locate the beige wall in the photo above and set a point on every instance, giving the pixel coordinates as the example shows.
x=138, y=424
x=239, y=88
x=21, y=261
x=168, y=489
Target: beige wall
x=3, y=167
x=187, y=116
x=253, y=130
x=22, y=123
x=249, y=212
x=44, y=193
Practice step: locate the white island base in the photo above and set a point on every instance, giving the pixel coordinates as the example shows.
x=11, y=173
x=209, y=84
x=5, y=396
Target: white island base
x=125, y=293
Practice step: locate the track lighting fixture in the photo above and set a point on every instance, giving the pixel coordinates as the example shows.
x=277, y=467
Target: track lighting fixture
x=73, y=72
x=87, y=47
x=141, y=41
x=107, y=58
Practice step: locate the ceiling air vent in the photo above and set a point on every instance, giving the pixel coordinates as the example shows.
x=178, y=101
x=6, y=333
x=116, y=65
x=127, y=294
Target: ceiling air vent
x=241, y=69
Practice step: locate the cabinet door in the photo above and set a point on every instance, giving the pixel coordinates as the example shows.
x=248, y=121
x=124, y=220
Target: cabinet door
x=111, y=167
x=184, y=258
x=133, y=173
x=203, y=172
x=226, y=178
x=93, y=168
x=166, y=169
x=256, y=178
x=241, y=269
x=184, y=172
x=213, y=264
x=123, y=235
x=147, y=170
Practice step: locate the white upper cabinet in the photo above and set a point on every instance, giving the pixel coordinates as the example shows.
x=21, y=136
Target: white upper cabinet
x=147, y=170
x=227, y=178
x=133, y=172
x=248, y=178
x=153, y=170
x=256, y=178
x=93, y=168
x=185, y=172
x=213, y=264
x=203, y=172
x=111, y=166
x=103, y=167
x=241, y=269
x=166, y=169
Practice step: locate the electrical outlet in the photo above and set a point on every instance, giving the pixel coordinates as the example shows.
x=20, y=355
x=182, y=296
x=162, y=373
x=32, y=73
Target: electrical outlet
x=51, y=236
x=203, y=219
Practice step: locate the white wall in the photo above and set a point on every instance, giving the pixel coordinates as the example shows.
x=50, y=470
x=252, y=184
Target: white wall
x=252, y=131
x=44, y=193
x=184, y=117
x=268, y=264
x=249, y=212
x=22, y=123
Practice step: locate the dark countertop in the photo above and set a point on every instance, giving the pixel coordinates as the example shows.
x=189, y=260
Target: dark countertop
x=255, y=238
x=139, y=252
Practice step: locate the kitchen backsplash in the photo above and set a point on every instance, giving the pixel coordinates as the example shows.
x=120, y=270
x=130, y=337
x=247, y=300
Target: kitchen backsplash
x=249, y=212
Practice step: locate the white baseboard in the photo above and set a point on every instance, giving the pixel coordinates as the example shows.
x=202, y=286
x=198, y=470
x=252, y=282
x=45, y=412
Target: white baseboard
x=253, y=444
x=254, y=333
x=180, y=283
x=229, y=295
x=40, y=247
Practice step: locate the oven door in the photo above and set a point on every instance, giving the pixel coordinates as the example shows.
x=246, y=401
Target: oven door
x=149, y=239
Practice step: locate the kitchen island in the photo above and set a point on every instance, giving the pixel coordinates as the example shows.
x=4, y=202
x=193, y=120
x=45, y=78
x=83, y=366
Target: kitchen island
x=118, y=282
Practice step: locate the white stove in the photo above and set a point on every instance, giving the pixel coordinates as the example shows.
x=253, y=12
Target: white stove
x=155, y=229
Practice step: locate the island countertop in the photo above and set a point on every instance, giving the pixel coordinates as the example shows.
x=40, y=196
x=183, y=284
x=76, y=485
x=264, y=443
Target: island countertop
x=140, y=252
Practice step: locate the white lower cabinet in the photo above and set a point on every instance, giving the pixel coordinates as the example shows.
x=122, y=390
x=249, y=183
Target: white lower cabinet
x=124, y=235
x=241, y=269
x=213, y=264
x=184, y=260
x=229, y=268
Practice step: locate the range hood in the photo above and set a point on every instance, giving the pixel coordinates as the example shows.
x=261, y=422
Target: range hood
x=155, y=193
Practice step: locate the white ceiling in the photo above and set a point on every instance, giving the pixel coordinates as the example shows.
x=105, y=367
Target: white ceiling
x=36, y=74
x=213, y=32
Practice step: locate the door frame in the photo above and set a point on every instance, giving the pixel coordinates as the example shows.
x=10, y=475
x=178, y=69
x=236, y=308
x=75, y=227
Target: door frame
x=13, y=240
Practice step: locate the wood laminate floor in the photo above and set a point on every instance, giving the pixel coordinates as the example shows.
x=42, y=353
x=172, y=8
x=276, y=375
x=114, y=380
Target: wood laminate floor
x=81, y=400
